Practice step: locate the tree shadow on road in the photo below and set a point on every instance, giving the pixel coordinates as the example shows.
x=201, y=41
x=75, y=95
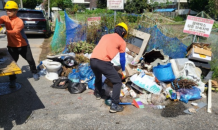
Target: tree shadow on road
x=16, y=108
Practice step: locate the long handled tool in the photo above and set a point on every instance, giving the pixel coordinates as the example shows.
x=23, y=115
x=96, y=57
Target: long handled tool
x=136, y=102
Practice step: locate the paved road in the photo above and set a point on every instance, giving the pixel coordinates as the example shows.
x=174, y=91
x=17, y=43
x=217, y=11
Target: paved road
x=38, y=106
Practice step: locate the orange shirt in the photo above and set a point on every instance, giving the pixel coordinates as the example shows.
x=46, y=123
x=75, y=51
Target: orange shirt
x=15, y=32
x=108, y=47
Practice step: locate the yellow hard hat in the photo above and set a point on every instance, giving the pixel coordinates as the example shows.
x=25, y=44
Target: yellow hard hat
x=122, y=24
x=11, y=5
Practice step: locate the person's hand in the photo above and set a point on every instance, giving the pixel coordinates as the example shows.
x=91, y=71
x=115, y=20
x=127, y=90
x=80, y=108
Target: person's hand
x=123, y=74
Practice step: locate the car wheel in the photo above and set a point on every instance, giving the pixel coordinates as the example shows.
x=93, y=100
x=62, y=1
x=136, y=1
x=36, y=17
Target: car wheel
x=47, y=35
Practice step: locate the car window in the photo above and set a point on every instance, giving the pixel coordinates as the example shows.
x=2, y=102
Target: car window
x=30, y=14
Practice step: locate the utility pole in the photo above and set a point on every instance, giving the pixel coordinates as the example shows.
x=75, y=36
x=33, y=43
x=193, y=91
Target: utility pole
x=179, y=5
x=21, y=3
x=49, y=9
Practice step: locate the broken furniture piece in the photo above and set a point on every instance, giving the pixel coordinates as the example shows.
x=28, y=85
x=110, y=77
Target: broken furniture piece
x=138, y=43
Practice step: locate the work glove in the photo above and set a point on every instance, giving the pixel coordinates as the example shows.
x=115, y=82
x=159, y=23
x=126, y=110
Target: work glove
x=2, y=30
x=123, y=74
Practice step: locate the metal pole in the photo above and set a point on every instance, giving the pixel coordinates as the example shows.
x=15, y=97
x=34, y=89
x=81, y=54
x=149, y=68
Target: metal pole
x=194, y=38
x=21, y=3
x=49, y=9
x=115, y=14
x=179, y=5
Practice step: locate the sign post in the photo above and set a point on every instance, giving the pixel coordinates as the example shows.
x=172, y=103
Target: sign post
x=198, y=26
x=115, y=5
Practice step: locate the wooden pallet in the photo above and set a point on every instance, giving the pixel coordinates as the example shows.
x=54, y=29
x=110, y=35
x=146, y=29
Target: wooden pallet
x=9, y=66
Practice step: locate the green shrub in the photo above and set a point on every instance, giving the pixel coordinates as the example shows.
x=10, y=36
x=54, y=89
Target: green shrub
x=214, y=68
x=81, y=47
x=215, y=25
x=132, y=19
x=99, y=11
x=178, y=19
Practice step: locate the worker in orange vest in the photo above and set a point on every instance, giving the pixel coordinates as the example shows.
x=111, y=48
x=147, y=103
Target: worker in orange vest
x=17, y=40
x=108, y=47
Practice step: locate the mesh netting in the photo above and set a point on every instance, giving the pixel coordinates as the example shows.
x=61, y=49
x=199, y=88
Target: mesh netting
x=170, y=46
x=74, y=31
x=59, y=38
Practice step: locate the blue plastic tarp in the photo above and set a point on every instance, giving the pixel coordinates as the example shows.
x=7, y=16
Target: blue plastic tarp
x=74, y=31
x=164, y=10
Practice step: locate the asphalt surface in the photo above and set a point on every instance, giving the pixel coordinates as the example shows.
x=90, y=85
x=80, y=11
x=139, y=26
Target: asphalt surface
x=38, y=106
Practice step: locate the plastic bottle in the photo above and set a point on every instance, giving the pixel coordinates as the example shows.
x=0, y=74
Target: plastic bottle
x=178, y=95
x=158, y=107
x=132, y=93
x=42, y=72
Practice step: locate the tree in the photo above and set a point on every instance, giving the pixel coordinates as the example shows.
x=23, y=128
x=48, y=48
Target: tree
x=63, y=4
x=30, y=4
x=198, y=5
x=102, y=4
x=135, y=6
x=209, y=6
x=213, y=8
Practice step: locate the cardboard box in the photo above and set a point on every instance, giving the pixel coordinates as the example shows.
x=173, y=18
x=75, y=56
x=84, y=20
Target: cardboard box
x=200, y=54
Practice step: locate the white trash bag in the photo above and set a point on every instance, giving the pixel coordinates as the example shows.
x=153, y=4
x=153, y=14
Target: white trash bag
x=189, y=72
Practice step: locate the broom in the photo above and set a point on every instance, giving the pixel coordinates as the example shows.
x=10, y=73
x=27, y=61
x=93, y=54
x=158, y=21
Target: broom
x=136, y=102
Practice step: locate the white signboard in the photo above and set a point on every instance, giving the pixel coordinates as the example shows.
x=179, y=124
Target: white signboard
x=115, y=4
x=198, y=26
x=94, y=21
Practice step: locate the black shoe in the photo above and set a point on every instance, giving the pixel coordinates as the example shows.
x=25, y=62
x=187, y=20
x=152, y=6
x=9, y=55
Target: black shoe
x=97, y=95
x=115, y=108
x=12, y=84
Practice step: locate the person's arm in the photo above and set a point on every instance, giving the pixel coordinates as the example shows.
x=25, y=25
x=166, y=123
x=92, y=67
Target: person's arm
x=17, y=28
x=122, y=60
x=122, y=50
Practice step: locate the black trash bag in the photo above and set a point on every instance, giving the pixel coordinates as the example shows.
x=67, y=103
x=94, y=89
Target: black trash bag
x=69, y=61
x=61, y=83
x=76, y=88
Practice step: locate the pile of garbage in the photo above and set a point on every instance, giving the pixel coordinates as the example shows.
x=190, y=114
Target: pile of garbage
x=150, y=81
x=157, y=78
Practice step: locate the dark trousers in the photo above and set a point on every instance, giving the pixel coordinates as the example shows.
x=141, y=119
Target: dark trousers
x=26, y=53
x=100, y=67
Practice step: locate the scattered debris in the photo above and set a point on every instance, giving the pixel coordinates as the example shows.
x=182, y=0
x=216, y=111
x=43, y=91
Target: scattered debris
x=183, y=83
x=196, y=108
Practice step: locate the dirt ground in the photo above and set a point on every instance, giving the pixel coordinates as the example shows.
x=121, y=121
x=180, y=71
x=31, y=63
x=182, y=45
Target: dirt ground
x=46, y=49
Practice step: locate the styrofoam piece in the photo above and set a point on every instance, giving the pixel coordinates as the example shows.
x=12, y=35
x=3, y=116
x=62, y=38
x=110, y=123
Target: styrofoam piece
x=146, y=82
x=209, y=97
x=159, y=61
x=194, y=104
x=180, y=62
x=198, y=57
x=175, y=68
